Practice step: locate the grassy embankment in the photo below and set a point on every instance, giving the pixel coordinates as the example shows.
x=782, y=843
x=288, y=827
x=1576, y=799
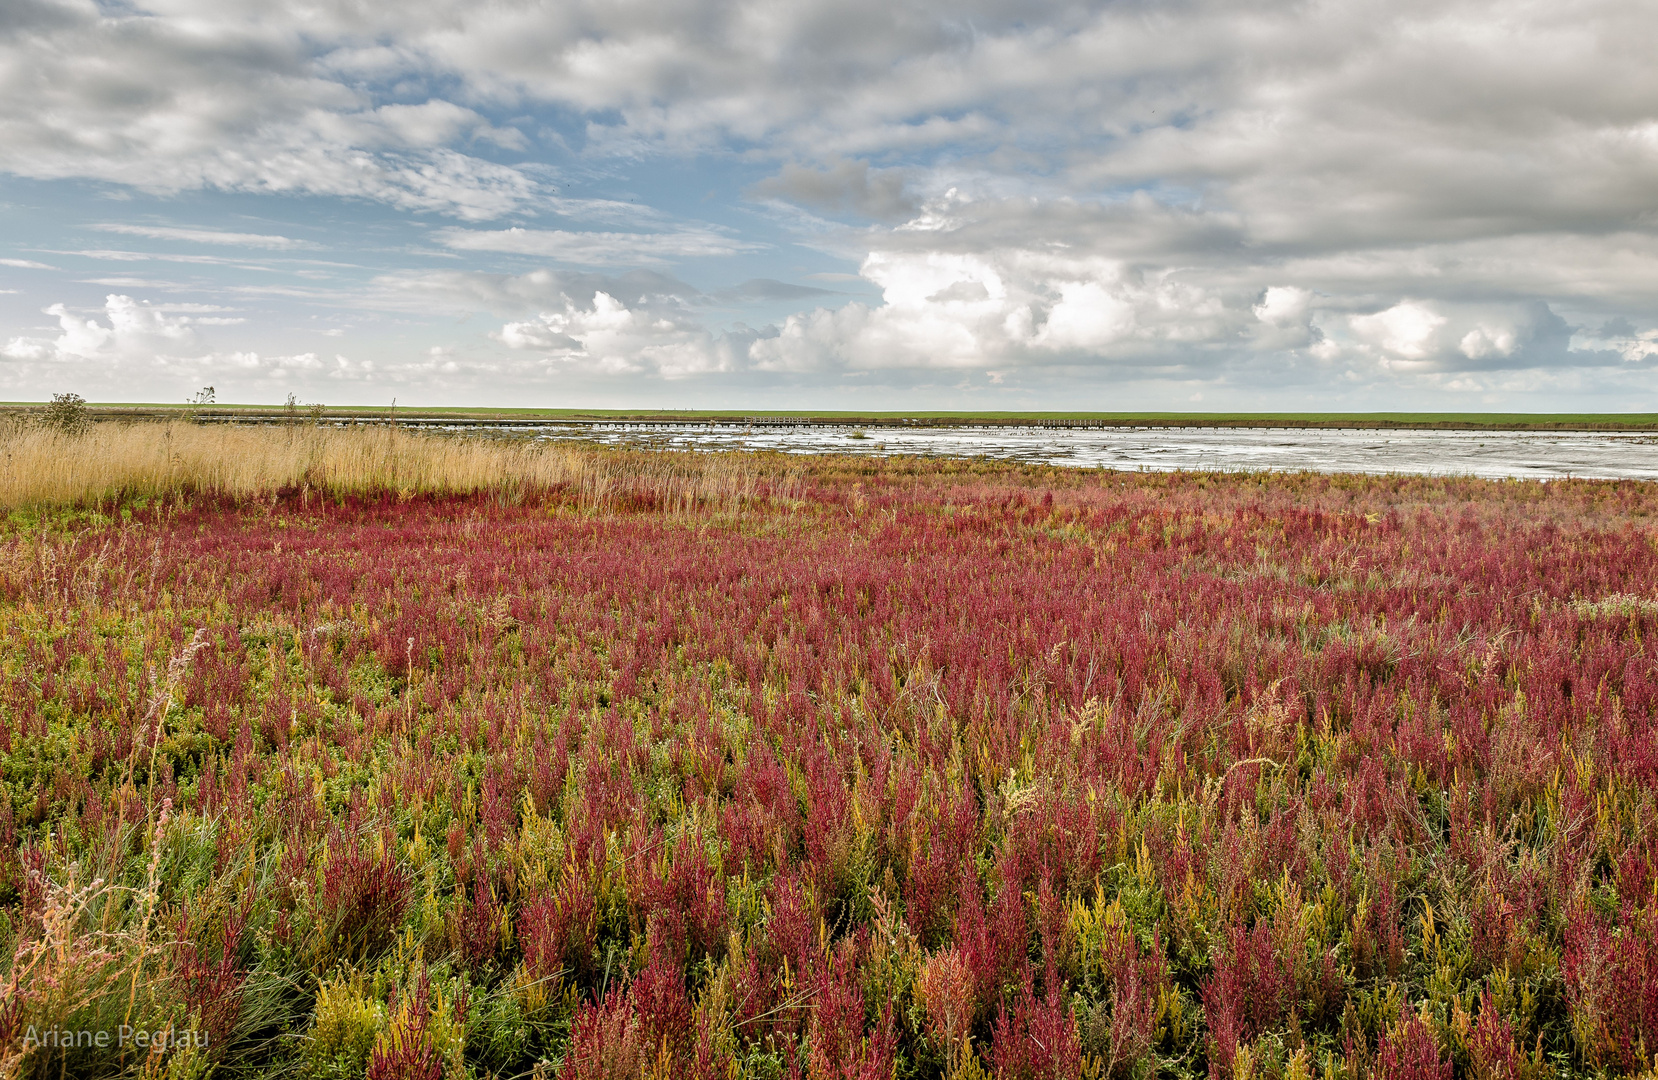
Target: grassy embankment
x=1373, y=420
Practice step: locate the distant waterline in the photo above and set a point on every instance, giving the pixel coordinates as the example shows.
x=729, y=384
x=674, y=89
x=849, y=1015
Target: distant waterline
x=1491, y=454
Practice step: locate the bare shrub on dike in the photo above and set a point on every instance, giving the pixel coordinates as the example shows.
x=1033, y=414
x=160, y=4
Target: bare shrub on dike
x=204, y=396
x=313, y=411
x=66, y=415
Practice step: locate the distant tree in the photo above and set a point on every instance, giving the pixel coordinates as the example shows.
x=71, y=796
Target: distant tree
x=66, y=415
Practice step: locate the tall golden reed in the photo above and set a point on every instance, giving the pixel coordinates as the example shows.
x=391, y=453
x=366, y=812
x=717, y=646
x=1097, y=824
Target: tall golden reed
x=39, y=467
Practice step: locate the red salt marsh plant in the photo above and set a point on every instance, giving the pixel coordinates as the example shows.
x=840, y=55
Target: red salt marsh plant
x=853, y=768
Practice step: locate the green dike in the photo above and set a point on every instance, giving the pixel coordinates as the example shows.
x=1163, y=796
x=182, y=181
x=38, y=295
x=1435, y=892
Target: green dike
x=1466, y=421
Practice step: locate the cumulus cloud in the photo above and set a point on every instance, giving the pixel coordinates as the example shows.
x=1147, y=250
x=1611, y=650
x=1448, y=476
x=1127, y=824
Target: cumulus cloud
x=1485, y=342
x=131, y=330
x=1620, y=338
x=1284, y=317
x=994, y=312
x=609, y=338
x=1284, y=306
x=1407, y=331
x=940, y=311
x=1414, y=336
x=953, y=310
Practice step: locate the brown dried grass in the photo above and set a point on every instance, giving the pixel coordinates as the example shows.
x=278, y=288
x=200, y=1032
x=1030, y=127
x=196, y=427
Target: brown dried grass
x=111, y=461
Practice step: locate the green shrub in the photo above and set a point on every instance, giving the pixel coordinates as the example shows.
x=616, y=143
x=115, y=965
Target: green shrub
x=348, y=1022
x=66, y=415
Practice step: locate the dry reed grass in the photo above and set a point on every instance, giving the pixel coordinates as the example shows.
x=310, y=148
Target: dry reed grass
x=40, y=467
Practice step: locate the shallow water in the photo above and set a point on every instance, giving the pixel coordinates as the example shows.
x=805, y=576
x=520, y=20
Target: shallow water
x=1532, y=454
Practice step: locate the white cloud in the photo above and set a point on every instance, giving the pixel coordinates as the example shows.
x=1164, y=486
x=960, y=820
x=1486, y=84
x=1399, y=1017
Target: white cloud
x=940, y=311
x=184, y=96
x=252, y=363
x=1408, y=330
x=463, y=291
x=430, y=124
x=1621, y=339
x=843, y=186
x=1284, y=306
x=1414, y=336
x=108, y=255
x=1643, y=347
x=26, y=264
x=129, y=282
x=1319, y=125
x=600, y=248
x=1485, y=342
x=133, y=331
x=1284, y=320
x=609, y=338
x=1391, y=191
x=347, y=370
x=1087, y=316
x=199, y=236
x=950, y=310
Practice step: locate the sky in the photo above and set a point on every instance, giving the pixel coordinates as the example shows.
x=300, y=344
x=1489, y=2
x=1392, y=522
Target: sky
x=832, y=204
